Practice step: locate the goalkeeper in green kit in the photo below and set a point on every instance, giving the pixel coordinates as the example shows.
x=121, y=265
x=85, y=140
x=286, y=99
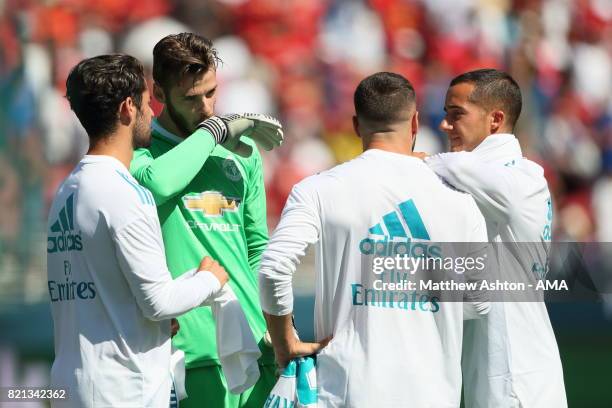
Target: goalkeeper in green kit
x=205, y=173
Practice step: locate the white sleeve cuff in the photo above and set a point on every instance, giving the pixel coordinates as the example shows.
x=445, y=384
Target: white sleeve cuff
x=211, y=281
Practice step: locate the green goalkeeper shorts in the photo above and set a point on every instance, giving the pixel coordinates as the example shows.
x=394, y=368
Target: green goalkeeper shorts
x=206, y=388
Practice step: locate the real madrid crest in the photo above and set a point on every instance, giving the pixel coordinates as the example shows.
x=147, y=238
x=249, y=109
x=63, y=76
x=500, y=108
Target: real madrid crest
x=231, y=169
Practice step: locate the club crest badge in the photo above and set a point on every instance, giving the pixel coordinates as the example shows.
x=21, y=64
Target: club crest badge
x=231, y=169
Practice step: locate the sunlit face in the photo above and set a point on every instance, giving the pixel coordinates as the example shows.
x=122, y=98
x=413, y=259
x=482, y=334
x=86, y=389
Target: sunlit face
x=465, y=123
x=141, y=134
x=192, y=100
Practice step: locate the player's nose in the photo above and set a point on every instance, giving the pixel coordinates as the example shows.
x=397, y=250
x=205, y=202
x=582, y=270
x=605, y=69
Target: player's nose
x=208, y=108
x=445, y=126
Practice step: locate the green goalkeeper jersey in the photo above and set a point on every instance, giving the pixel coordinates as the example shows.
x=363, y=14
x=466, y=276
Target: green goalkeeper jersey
x=210, y=202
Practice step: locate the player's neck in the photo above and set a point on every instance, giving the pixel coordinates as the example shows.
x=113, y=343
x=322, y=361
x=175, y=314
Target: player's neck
x=388, y=143
x=168, y=124
x=115, y=146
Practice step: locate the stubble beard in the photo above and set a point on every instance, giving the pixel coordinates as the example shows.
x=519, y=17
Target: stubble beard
x=179, y=121
x=141, y=134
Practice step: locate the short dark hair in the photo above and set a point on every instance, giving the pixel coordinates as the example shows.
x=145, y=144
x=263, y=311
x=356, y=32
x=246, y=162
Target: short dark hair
x=177, y=55
x=96, y=87
x=382, y=97
x=494, y=89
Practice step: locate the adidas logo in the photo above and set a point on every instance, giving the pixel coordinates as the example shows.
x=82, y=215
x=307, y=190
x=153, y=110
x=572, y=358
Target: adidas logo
x=174, y=401
x=395, y=240
x=62, y=237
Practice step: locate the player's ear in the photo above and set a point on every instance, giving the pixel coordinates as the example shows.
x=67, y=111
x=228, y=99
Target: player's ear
x=498, y=121
x=415, y=124
x=127, y=111
x=356, y=125
x=159, y=94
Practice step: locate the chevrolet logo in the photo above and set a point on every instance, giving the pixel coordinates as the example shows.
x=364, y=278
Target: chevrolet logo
x=211, y=203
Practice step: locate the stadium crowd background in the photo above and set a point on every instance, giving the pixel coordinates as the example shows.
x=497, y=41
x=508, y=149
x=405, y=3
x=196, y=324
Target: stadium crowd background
x=300, y=60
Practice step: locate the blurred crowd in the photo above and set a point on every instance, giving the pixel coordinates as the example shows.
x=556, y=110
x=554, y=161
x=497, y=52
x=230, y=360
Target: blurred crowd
x=300, y=60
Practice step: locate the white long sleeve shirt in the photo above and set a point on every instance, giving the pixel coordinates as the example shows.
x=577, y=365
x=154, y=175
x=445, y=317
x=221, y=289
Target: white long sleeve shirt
x=390, y=348
x=236, y=346
x=111, y=293
x=511, y=358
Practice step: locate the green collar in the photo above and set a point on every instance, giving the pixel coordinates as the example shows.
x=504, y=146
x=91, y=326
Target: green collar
x=168, y=136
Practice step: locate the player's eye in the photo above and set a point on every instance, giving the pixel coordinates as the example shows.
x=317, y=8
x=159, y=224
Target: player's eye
x=454, y=115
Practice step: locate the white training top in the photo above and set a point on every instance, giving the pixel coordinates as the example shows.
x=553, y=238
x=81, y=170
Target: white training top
x=511, y=358
x=391, y=348
x=111, y=293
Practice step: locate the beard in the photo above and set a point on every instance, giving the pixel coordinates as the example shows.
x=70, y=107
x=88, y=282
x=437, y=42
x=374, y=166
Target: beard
x=181, y=123
x=141, y=135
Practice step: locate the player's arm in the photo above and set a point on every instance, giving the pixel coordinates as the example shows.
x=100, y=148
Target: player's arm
x=490, y=185
x=169, y=174
x=299, y=226
x=476, y=303
x=255, y=219
x=141, y=257
x=286, y=345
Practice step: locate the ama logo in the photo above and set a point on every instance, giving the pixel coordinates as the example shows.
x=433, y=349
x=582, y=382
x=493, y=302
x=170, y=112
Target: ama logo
x=62, y=237
x=390, y=237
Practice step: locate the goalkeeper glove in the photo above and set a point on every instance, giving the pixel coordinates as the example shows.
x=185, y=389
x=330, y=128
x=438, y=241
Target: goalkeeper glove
x=226, y=130
x=267, y=132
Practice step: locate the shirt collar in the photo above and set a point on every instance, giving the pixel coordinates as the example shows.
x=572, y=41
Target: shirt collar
x=171, y=137
x=100, y=158
x=499, y=146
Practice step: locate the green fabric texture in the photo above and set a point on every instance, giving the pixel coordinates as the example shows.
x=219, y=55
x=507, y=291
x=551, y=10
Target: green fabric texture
x=210, y=202
x=206, y=387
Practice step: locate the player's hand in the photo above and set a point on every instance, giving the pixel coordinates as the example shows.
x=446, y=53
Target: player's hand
x=267, y=132
x=174, y=327
x=227, y=131
x=297, y=348
x=212, y=266
x=420, y=155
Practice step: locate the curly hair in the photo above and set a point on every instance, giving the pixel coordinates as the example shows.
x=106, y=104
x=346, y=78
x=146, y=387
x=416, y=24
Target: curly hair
x=96, y=87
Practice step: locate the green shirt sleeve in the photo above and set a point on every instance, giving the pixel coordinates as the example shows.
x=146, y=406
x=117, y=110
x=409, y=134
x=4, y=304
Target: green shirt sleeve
x=255, y=218
x=168, y=174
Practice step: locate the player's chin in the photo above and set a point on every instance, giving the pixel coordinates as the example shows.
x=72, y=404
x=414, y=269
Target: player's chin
x=141, y=142
x=192, y=127
x=455, y=142
x=457, y=147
